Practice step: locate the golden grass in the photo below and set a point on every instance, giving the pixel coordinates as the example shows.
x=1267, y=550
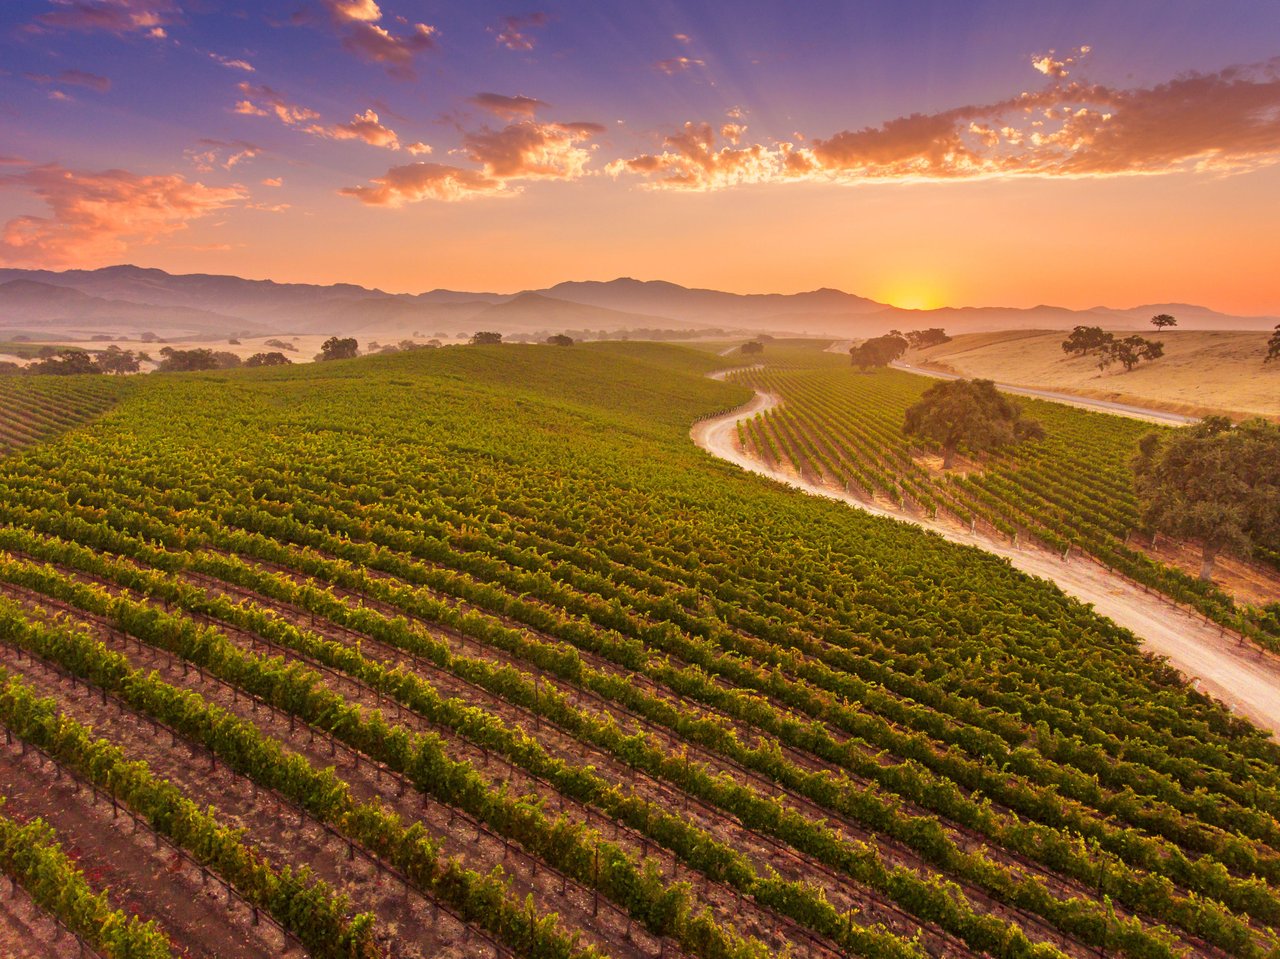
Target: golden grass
x=1201, y=372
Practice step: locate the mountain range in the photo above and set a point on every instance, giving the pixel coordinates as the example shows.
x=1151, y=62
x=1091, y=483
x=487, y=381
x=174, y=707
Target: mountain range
x=129, y=299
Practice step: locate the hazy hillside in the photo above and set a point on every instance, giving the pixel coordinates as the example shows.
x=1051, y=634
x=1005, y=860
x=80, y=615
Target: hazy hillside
x=125, y=299
x=1201, y=371
x=30, y=304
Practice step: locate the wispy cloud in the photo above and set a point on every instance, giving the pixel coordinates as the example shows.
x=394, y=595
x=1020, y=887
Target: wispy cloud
x=149, y=17
x=507, y=107
x=97, y=214
x=518, y=152
x=264, y=101
x=1220, y=122
x=675, y=65
x=212, y=154
x=425, y=181
x=358, y=23
x=73, y=78
x=233, y=63
x=516, y=32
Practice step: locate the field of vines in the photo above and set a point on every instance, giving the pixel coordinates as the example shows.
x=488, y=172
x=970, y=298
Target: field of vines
x=36, y=407
x=470, y=652
x=1071, y=491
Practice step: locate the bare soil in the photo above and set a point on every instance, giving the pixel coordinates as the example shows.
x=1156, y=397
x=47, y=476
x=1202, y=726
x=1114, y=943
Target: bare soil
x=143, y=875
x=1250, y=583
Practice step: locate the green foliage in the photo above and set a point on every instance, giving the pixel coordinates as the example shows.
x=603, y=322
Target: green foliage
x=274, y=358
x=69, y=362
x=918, y=724
x=1132, y=350
x=968, y=414
x=202, y=358
x=1084, y=340
x=923, y=339
x=307, y=907
x=1074, y=489
x=878, y=351
x=1213, y=483
x=34, y=408
x=32, y=856
x=338, y=348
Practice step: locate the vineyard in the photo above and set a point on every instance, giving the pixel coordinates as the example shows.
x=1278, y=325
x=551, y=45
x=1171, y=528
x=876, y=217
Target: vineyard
x=469, y=652
x=34, y=408
x=1071, y=491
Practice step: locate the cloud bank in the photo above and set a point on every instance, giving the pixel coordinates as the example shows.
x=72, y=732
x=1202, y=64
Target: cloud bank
x=1222, y=122
x=92, y=215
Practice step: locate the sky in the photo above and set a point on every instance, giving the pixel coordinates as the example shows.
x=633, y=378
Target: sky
x=921, y=153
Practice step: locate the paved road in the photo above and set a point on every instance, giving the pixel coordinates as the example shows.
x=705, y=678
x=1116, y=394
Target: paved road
x=1105, y=406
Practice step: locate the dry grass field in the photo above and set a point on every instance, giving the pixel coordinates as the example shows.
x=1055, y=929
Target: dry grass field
x=1201, y=371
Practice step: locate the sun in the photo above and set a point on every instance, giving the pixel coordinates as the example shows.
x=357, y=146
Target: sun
x=912, y=296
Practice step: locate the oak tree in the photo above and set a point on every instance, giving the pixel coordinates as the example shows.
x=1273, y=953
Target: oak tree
x=968, y=414
x=1212, y=483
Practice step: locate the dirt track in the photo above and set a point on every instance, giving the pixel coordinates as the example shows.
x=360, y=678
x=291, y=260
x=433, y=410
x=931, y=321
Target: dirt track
x=1241, y=676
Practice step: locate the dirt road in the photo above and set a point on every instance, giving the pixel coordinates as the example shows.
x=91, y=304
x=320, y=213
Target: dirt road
x=1071, y=399
x=1241, y=676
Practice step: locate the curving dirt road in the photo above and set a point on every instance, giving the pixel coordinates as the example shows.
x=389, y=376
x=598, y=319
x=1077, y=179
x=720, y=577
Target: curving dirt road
x=1242, y=676
x=1070, y=399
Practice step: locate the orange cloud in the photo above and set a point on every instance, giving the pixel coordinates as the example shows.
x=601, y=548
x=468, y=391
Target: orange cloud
x=690, y=160
x=367, y=127
x=507, y=107
x=526, y=150
x=514, y=34
x=425, y=181
x=93, y=215
x=262, y=101
x=112, y=16
x=1050, y=66
x=357, y=22
x=1223, y=122
x=530, y=150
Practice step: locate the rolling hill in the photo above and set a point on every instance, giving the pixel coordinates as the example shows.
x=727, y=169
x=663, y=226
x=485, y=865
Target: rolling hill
x=1202, y=371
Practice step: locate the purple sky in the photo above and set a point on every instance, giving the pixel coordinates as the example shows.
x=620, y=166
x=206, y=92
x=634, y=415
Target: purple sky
x=747, y=145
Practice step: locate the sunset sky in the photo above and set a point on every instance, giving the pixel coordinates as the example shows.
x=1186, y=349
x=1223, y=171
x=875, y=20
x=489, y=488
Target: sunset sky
x=922, y=153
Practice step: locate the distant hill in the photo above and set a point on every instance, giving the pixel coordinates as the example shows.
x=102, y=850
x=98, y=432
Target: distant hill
x=537, y=310
x=131, y=299
x=30, y=303
x=674, y=302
